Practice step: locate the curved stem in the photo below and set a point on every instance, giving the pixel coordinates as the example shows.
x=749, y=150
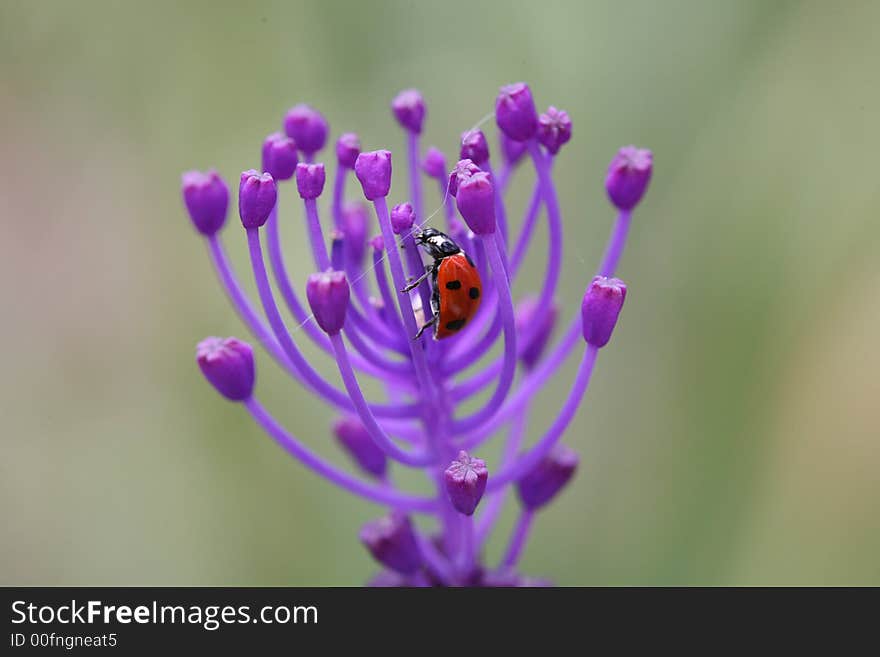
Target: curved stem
x=382, y=440
x=615, y=244
x=526, y=232
x=508, y=369
x=517, y=539
x=338, y=196
x=392, y=317
x=530, y=459
x=415, y=179
x=316, y=236
x=381, y=494
x=308, y=375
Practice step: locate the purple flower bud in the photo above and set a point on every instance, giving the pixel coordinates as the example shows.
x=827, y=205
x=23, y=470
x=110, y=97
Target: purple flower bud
x=463, y=170
x=476, y=203
x=310, y=180
x=542, y=327
x=466, y=482
x=628, y=176
x=279, y=156
x=206, y=197
x=515, y=112
x=306, y=127
x=355, y=221
x=434, y=163
x=392, y=543
x=548, y=477
x=348, y=147
x=373, y=170
x=554, y=129
x=409, y=109
x=257, y=194
x=474, y=147
x=378, y=243
x=328, y=295
x=228, y=364
x=355, y=439
x=602, y=303
x=512, y=150
x=402, y=218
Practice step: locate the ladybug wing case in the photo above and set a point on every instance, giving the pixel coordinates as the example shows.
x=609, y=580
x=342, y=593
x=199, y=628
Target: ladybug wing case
x=459, y=290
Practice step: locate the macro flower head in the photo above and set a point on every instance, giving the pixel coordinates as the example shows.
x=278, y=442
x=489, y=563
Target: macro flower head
x=414, y=294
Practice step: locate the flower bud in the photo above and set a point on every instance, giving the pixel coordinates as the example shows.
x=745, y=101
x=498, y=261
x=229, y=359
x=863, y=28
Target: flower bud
x=307, y=128
x=328, y=295
x=257, y=194
x=434, y=164
x=515, y=112
x=206, y=197
x=512, y=150
x=402, y=218
x=476, y=203
x=463, y=170
x=356, y=440
x=628, y=176
x=474, y=147
x=377, y=242
x=279, y=156
x=348, y=147
x=548, y=477
x=541, y=326
x=373, y=170
x=228, y=364
x=602, y=303
x=392, y=543
x=466, y=482
x=409, y=109
x=310, y=180
x=554, y=129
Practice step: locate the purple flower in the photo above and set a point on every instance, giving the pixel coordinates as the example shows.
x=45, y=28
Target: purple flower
x=307, y=128
x=547, y=478
x=466, y=482
x=206, y=197
x=628, y=176
x=554, y=129
x=600, y=309
x=392, y=542
x=515, y=112
x=474, y=147
x=310, y=180
x=356, y=440
x=228, y=364
x=348, y=147
x=373, y=170
x=409, y=109
x=369, y=313
x=328, y=295
x=279, y=156
x=256, y=198
x=476, y=203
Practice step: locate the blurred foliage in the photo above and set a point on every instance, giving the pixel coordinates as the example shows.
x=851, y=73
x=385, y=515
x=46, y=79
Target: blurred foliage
x=731, y=435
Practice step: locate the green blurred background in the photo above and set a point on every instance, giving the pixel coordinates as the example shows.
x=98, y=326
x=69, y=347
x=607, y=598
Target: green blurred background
x=731, y=436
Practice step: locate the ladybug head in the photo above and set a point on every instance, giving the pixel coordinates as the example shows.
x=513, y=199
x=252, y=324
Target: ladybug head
x=438, y=245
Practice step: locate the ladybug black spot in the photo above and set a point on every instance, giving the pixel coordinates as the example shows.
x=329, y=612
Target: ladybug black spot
x=474, y=293
x=453, y=285
x=455, y=324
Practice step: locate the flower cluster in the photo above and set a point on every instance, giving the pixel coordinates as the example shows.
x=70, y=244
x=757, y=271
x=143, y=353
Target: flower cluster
x=366, y=323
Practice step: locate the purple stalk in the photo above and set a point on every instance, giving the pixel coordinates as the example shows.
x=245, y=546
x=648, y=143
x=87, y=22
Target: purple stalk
x=508, y=369
x=375, y=493
x=615, y=244
x=338, y=196
x=316, y=236
x=500, y=213
x=309, y=376
x=382, y=440
x=531, y=458
x=392, y=317
x=528, y=229
x=517, y=539
x=415, y=179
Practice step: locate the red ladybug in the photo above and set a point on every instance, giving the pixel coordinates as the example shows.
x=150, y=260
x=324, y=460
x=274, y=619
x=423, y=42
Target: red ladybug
x=455, y=282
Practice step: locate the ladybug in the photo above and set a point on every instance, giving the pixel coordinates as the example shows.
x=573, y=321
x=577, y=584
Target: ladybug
x=455, y=283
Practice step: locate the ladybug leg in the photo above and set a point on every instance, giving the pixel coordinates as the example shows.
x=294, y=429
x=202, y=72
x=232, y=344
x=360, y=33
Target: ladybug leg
x=429, y=269
x=430, y=322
